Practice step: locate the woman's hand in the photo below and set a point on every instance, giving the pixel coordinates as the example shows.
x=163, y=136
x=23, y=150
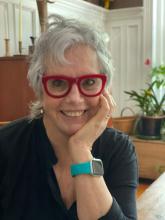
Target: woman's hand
x=82, y=141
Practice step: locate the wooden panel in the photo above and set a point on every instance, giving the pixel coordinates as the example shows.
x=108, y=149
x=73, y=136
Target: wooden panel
x=96, y=2
x=151, y=157
x=15, y=94
x=116, y=4
x=125, y=4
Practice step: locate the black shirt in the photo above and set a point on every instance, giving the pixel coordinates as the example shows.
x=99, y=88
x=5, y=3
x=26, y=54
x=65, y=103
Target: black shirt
x=28, y=185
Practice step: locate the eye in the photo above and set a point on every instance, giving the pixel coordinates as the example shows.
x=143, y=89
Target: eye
x=89, y=82
x=57, y=83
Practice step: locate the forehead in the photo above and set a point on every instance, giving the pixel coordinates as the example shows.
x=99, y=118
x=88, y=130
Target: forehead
x=78, y=58
x=82, y=52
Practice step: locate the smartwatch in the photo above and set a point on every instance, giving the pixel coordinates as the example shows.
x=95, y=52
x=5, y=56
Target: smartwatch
x=93, y=167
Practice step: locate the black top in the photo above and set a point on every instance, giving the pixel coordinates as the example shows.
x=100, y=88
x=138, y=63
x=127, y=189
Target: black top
x=28, y=185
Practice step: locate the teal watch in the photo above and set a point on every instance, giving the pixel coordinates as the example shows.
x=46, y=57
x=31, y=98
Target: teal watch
x=93, y=167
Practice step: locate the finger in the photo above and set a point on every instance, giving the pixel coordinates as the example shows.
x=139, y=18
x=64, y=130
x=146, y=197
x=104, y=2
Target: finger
x=96, y=125
x=111, y=101
x=104, y=112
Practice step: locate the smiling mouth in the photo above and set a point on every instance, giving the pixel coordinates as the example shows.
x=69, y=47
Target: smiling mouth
x=73, y=113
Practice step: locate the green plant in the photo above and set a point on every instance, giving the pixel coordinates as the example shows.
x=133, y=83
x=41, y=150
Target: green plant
x=147, y=98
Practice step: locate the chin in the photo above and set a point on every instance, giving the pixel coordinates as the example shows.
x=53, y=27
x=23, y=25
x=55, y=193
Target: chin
x=69, y=131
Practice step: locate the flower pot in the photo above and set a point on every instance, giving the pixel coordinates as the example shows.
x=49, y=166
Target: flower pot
x=124, y=123
x=148, y=127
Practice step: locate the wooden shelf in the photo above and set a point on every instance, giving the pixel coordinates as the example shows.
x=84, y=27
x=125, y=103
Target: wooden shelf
x=13, y=58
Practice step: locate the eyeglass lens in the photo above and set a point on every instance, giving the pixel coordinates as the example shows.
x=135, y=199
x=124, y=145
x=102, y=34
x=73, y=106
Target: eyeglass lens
x=57, y=87
x=91, y=85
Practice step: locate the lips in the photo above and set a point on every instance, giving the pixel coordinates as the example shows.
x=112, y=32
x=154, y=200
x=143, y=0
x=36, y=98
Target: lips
x=73, y=113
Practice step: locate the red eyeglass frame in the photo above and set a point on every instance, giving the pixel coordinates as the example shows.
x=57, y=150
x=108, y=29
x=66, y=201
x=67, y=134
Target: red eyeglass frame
x=71, y=81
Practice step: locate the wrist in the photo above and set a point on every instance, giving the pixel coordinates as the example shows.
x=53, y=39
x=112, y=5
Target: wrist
x=93, y=167
x=79, y=153
x=80, y=156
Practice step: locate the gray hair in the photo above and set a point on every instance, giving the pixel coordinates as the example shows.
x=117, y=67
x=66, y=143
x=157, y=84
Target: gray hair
x=63, y=34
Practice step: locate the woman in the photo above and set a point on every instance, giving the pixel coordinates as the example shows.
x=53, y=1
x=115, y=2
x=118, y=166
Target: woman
x=63, y=163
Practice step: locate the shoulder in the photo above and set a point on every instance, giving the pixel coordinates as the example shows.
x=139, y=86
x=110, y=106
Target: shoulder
x=15, y=141
x=115, y=148
x=119, y=157
x=16, y=144
x=114, y=134
x=15, y=135
x=115, y=141
x=14, y=129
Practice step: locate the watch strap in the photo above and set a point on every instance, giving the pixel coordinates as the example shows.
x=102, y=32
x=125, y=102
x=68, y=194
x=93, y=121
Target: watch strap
x=81, y=168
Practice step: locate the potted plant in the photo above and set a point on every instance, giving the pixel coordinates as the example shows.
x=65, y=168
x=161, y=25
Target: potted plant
x=152, y=107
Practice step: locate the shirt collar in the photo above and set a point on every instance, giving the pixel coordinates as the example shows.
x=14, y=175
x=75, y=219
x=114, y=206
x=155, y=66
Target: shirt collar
x=46, y=145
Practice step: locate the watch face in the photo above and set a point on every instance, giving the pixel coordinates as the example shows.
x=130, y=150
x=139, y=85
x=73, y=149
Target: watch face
x=97, y=167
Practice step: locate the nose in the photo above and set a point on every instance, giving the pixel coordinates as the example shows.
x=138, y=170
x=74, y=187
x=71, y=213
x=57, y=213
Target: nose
x=74, y=95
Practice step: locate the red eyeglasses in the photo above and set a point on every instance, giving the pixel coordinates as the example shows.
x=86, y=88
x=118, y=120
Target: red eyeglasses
x=88, y=85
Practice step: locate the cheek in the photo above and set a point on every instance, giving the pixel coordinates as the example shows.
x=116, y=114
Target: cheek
x=50, y=103
x=94, y=101
x=94, y=104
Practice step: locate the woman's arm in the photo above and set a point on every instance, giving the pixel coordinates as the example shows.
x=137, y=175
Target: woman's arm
x=121, y=177
x=93, y=196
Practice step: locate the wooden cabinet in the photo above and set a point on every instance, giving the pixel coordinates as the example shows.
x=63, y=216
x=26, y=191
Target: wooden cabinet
x=151, y=157
x=15, y=93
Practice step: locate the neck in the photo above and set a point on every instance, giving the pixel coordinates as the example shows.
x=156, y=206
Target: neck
x=59, y=143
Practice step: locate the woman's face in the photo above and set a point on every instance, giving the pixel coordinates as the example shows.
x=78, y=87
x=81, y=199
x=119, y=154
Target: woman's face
x=68, y=114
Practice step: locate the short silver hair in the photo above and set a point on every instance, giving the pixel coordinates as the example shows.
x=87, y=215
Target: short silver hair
x=63, y=34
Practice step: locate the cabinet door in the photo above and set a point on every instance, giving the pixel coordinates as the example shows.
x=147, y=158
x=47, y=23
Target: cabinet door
x=151, y=157
x=15, y=93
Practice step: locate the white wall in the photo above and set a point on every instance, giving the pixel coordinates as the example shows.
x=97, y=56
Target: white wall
x=129, y=31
